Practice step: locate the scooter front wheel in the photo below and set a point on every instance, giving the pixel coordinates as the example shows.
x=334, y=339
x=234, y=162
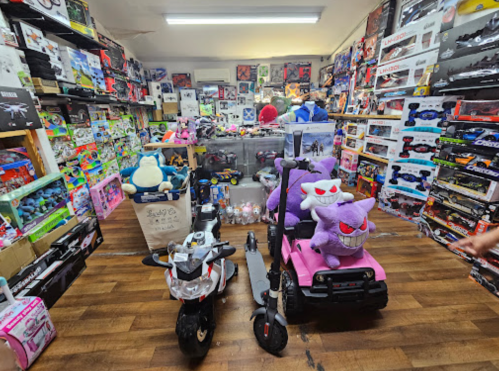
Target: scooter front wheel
x=279, y=338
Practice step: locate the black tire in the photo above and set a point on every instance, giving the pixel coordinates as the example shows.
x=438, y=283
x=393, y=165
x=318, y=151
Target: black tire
x=482, y=165
x=448, y=105
x=413, y=106
x=481, y=190
x=381, y=303
x=410, y=123
x=255, y=178
x=198, y=344
x=425, y=173
x=490, y=138
x=452, y=181
x=292, y=298
x=396, y=168
x=393, y=181
x=279, y=335
x=271, y=236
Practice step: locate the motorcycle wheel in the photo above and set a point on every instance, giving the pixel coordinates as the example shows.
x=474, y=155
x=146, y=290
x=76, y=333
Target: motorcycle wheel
x=279, y=335
x=198, y=344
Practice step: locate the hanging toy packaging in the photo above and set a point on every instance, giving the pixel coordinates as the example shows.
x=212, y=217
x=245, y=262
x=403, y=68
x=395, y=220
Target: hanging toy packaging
x=26, y=326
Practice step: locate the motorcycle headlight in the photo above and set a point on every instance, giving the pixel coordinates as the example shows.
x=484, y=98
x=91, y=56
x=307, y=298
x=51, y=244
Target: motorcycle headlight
x=189, y=290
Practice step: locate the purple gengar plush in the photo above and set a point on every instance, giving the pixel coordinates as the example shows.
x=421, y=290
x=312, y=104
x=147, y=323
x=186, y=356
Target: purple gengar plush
x=342, y=230
x=293, y=211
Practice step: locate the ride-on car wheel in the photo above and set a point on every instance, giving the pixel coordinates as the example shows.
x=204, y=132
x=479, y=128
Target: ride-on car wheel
x=279, y=335
x=214, y=181
x=271, y=235
x=380, y=303
x=234, y=181
x=292, y=298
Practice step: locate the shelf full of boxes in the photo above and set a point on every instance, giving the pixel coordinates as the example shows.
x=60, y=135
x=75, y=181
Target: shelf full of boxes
x=441, y=174
x=71, y=118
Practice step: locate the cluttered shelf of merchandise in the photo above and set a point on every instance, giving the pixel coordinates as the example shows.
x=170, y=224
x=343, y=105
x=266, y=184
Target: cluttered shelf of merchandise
x=346, y=116
x=51, y=25
x=97, y=100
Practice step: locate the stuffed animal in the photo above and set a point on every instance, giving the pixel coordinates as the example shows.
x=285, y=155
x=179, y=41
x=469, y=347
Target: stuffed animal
x=229, y=215
x=247, y=214
x=149, y=176
x=238, y=214
x=257, y=213
x=294, y=213
x=342, y=230
x=180, y=179
x=322, y=193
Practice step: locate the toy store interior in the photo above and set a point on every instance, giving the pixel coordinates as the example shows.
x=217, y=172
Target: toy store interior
x=229, y=185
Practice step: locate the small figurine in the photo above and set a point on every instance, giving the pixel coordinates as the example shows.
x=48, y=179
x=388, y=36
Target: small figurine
x=238, y=214
x=257, y=213
x=230, y=219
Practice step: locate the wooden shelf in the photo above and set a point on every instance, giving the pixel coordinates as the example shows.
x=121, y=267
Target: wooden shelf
x=345, y=116
x=10, y=134
x=373, y=157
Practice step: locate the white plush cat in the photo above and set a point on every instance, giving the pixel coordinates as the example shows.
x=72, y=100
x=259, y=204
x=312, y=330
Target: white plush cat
x=322, y=193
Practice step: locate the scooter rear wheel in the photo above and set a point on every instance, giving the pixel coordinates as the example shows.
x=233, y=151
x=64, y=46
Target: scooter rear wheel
x=279, y=335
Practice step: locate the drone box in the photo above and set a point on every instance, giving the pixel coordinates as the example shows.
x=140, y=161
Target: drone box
x=386, y=129
x=403, y=206
x=380, y=147
x=80, y=19
x=474, y=71
x=417, y=145
x=470, y=185
x=428, y=111
x=404, y=74
x=76, y=66
x=76, y=113
x=113, y=58
x=410, y=178
x=118, y=85
x=485, y=271
x=381, y=19
x=29, y=37
x=470, y=38
x=56, y=11
x=411, y=40
x=12, y=68
x=355, y=130
x=477, y=110
x=17, y=111
x=486, y=211
x=459, y=222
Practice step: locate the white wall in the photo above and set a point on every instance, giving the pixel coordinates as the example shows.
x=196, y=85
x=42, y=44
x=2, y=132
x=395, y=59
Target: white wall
x=189, y=65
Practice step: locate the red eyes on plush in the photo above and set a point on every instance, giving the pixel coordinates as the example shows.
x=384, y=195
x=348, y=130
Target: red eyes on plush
x=363, y=227
x=303, y=190
x=333, y=190
x=345, y=228
x=319, y=191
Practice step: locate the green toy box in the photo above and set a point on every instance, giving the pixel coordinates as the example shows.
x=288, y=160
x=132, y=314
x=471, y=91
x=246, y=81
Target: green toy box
x=28, y=206
x=48, y=224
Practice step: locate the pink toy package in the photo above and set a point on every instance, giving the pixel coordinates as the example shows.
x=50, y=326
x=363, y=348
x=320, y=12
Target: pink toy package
x=186, y=131
x=349, y=160
x=26, y=326
x=107, y=195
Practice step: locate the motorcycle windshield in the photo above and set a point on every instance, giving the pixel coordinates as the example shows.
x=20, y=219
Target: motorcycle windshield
x=188, y=260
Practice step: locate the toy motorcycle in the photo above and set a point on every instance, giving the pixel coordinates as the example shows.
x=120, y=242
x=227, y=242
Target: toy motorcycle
x=196, y=272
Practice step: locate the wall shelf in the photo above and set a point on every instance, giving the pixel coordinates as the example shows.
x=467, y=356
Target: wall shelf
x=50, y=25
x=345, y=116
x=374, y=158
x=24, y=138
x=97, y=100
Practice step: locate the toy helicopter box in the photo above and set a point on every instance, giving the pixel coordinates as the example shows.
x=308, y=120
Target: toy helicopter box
x=28, y=329
x=79, y=17
x=53, y=9
x=17, y=111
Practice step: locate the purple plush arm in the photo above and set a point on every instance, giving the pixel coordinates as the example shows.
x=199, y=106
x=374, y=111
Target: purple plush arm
x=273, y=200
x=319, y=239
x=372, y=227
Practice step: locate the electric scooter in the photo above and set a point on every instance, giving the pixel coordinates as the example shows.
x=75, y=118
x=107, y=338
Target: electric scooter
x=196, y=272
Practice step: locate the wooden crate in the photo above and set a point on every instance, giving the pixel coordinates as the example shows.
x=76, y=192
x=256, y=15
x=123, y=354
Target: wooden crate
x=191, y=156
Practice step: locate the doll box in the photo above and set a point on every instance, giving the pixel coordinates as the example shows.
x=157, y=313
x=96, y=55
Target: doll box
x=106, y=196
x=27, y=327
x=380, y=147
x=386, y=129
x=13, y=203
x=349, y=160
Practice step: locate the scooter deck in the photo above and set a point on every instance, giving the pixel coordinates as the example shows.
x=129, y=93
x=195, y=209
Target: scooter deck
x=257, y=273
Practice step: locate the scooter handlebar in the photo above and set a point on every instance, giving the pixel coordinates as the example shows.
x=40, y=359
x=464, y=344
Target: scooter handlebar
x=304, y=164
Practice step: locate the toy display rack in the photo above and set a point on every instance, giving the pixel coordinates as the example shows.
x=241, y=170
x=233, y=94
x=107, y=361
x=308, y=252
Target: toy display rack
x=97, y=100
x=50, y=25
x=191, y=157
x=368, y=155
x=25, y=138
x=346, y=116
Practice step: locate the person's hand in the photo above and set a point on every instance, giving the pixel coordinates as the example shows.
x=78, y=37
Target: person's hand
x=7, y=358
x=478, y=245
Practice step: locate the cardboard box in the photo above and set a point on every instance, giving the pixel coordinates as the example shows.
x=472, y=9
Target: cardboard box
x=112, y=58
x=76, y=67
x=15, y=257
x=477, y=110
x=170, y=108
x=23, y=113
x=42, y=245
x=428, y=112
x=405, y=207
x=76, y=113
x=43, y=86
x=349, y=160
x=355, y=130
x=347, y=177
x=386, y=129
x=404, y=74
x=411, y=40
x=381, y=19
x=380, y=147
x=80, y=19
x=57, y=9
x=353, y=144
x=417, y=145
x=485, y=271
x=11, y=76
x=86, y=236
x=29, y=37
x=410, y=178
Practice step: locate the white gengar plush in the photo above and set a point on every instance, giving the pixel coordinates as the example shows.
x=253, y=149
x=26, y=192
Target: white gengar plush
x=322, y=193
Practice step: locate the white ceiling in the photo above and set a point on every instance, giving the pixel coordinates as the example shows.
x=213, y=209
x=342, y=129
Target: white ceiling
x=142, y=24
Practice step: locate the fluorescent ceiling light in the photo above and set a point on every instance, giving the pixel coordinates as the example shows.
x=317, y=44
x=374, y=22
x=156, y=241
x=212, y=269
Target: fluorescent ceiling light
x=223, y=19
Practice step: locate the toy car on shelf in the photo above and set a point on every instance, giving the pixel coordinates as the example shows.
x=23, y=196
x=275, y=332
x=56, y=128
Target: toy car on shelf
x=429, y=114
x=464, y=201
x=477, y=133
x=222, y=158
x=411, y=178
x=228, y=175
x=472, y=159
x=420, y=147
x=413, y=209
x=263, y=156
x=465, y=181
x=264, y=172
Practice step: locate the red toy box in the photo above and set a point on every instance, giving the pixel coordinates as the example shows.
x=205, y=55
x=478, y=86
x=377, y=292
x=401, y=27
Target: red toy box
x=114, y=57
x=477, y=110
x=367, y=187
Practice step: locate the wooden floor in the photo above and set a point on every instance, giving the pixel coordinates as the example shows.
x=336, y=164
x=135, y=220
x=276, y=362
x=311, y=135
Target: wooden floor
x=118, y=316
